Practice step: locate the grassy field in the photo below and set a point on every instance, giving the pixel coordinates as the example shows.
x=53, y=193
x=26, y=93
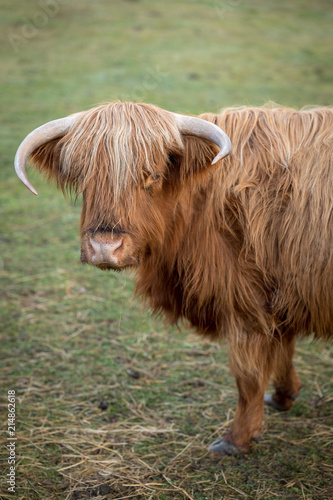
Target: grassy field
x=112, y=403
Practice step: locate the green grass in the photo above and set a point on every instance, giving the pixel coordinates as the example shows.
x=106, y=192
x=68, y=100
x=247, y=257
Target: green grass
x=71, y=336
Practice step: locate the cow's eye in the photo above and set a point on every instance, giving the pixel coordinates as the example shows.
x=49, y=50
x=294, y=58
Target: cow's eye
x=150, y=180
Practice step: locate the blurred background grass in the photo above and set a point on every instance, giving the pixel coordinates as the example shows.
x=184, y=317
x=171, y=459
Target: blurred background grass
x=71, y=336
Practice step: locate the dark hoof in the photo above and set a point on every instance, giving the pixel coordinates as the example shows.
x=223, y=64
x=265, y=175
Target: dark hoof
x=270, y=401
x=222, y=447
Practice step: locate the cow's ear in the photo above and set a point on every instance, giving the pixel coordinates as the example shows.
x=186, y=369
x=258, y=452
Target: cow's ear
x=197, y=156
x=47, y=160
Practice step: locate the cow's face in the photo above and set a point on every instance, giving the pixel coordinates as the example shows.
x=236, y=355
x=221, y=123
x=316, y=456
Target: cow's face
x=126, y=186
x=131, y=164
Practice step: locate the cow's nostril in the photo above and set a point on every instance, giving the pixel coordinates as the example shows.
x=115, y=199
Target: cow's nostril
x=108, y=251
x=104, y=252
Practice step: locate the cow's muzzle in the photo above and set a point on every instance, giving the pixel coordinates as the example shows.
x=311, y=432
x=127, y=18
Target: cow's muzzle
x=108, y=251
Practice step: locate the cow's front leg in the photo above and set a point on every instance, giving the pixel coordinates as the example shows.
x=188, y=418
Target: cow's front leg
x=285, y=379
x=251, y=361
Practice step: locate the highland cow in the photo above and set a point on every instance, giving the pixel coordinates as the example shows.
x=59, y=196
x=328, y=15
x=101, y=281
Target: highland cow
x=238, y=244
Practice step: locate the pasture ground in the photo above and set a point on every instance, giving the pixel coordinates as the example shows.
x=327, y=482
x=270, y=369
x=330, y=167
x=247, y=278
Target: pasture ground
x=112, y=403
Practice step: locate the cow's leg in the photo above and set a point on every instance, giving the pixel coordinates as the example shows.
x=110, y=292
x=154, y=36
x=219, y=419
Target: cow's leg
x=251, y=362
x=286, y=383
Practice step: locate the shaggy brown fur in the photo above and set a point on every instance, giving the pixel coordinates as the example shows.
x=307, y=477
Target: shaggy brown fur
x=243, y=249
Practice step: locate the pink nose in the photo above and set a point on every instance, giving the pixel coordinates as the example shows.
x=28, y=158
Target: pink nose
x=101, y=253
x=105, y=253
x=109, y=251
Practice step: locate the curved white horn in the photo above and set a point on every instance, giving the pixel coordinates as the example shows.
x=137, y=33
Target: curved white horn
x=201, y=128
x=36, y=138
